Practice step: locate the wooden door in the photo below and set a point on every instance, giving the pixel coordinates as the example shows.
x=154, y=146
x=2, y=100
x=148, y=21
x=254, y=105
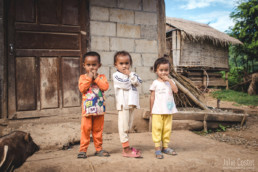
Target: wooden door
x=46, y=40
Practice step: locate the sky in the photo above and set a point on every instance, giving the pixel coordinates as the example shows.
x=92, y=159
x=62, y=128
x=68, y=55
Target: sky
x=213, y=12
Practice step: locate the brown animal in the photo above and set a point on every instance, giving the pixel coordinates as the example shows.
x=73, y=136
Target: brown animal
x=15, y=148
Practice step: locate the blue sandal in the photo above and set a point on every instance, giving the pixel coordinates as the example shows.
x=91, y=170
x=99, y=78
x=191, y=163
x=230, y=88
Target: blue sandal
x=82, y=155
x=159, y=154
x=169, y=151
x=102, y=153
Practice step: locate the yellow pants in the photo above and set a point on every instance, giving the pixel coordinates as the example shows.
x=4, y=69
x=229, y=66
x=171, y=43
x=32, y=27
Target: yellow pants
x=161, y=129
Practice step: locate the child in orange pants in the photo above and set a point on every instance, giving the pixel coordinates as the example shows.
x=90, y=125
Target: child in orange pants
x=92, y=86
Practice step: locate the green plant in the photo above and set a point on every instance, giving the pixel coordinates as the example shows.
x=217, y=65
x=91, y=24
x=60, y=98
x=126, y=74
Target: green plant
x=235, y=75
x=245, y=29
x=237, y=97
x=223, y=128
x=243, y=57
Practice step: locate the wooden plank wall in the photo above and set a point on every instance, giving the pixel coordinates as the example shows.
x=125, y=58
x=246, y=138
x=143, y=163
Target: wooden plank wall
x=200, y=78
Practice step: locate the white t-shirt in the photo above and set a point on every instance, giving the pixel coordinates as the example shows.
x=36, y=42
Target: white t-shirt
x=164, y=101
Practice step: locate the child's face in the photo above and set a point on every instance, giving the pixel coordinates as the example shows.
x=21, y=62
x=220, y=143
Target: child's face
x=123, y=63
x=91, y=63
x=162, y=70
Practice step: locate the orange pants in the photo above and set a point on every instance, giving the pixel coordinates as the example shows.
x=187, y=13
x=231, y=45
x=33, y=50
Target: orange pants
x=94, y=124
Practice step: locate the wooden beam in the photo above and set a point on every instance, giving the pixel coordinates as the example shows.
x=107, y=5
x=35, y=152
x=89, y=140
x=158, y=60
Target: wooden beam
x=210, y=116
x=188, y=115
x=211, y=83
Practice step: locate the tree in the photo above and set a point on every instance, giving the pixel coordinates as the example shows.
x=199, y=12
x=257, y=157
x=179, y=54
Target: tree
x=246, y=30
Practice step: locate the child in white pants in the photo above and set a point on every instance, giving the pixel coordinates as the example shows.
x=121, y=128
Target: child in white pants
x=127, y=99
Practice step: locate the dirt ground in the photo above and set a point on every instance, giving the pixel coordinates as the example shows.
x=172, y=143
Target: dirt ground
x=235, y=149
x=195, y=153
x=247, y=135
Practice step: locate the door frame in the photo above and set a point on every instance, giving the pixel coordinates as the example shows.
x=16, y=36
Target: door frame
x=9, y=97
x=4, y=87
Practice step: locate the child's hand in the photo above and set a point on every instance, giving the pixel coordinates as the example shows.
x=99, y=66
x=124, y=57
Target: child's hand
x=95, y=74
x=90, y=74
x=127, y=72
x=165, y=78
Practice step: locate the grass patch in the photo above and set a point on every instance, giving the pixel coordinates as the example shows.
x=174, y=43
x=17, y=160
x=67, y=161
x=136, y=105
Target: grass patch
x=221, y=128
x=235, y=96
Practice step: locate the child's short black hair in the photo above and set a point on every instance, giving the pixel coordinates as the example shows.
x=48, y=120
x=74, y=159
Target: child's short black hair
x=123, y=53
x=161, y=60
x=91, y=53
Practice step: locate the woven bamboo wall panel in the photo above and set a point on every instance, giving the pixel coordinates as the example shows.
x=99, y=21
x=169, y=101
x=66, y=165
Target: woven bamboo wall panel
x=203, y=54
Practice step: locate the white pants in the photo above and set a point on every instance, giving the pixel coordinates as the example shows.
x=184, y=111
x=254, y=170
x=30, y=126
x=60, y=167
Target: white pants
x=125, y=120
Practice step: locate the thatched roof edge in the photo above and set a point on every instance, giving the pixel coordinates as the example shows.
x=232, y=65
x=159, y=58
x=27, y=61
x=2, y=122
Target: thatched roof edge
x=201, y=32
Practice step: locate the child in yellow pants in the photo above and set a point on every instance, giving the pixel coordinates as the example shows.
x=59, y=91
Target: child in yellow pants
x=161, y=129
x=162, y=107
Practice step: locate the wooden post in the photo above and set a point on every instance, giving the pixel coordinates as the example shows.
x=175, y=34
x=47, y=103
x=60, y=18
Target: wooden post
x=204, y=79
x=243, y=120
x=226, y=77
x=150, y=124
x=174, y=51
x=161, y=27
x=218, y=103
x=205, y=129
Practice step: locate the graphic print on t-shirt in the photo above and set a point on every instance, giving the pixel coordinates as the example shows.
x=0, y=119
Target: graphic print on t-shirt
x=93, y=101
x=170, y=105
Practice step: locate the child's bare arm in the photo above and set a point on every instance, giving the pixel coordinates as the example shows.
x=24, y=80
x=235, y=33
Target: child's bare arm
x=84, y=83
x=173, y=86
x=152, y=98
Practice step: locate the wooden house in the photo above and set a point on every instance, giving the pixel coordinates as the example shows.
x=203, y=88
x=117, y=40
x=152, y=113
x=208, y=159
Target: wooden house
x=42, y=43
x=198, y=51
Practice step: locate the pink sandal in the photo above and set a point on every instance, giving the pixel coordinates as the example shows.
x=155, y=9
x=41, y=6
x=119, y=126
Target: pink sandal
x=136, y=150
x=134, y=154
